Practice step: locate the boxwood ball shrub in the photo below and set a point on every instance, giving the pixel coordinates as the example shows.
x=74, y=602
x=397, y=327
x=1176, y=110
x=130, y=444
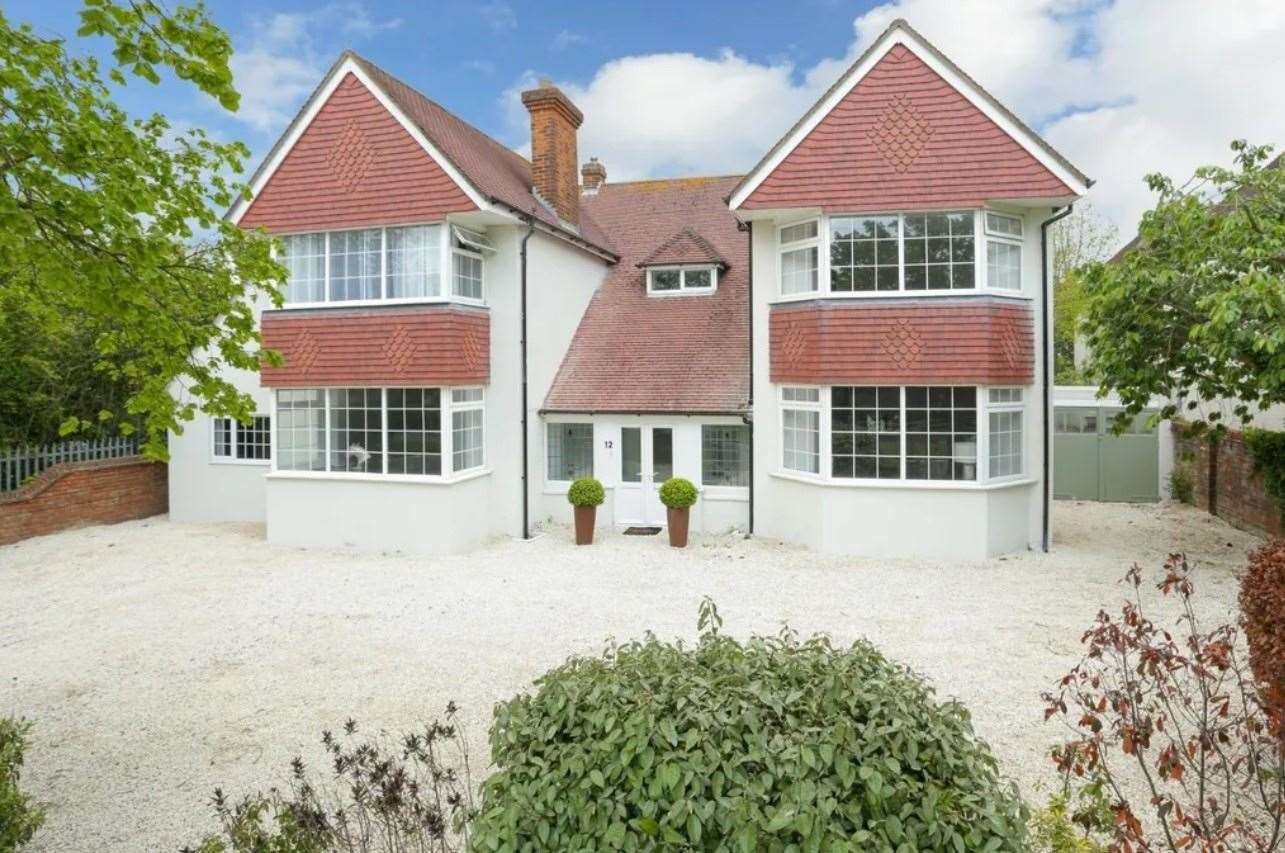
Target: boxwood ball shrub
x=677, y=493
x=774, y=744
x=586, y=492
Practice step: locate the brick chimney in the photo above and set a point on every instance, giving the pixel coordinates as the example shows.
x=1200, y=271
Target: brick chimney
x=554, y=120
x=593, y=175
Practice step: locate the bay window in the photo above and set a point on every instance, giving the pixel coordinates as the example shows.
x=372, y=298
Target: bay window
x=383, y=431
x=235, y=441
x=903, y=433
x=570, y=452
x=372, y=264
x=800, y=255
x=901, y=253
x=801, y=429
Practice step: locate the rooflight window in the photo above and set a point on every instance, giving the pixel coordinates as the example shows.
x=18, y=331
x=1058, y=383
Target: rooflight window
x=666, y=281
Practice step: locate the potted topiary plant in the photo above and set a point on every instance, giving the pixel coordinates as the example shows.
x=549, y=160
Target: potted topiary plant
x=586, y=495
x=678, y=495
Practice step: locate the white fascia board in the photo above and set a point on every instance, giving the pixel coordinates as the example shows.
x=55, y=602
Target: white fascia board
x=350, y=66
x=857, y=73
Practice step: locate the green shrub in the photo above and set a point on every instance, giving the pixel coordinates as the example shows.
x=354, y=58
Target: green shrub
x=1054, y=829
x=677, y=493
x=20, y=816
x=1181, y=485
x=586, y=492
x=773, y=744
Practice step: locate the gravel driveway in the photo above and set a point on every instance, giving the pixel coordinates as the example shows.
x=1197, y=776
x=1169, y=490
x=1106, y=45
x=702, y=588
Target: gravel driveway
x=159, y=660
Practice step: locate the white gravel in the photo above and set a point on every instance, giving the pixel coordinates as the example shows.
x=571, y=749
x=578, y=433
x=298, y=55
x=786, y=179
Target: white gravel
x=159, y=660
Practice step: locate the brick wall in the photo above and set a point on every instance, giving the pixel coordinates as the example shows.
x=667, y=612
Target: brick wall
x=75, y=494
x=1238, y=494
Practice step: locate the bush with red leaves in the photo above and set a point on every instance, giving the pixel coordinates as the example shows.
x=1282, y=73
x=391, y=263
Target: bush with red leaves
x=1176, y=714
x=1262, y=608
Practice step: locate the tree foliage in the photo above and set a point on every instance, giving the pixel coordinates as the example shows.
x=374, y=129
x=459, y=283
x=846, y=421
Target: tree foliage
x=112, y=224
x=1079, y=239
x=1195, y=312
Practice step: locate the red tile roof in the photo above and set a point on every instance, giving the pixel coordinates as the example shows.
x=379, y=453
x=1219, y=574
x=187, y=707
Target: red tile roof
x=638, y=353
x=498, y=172
x=685, y=247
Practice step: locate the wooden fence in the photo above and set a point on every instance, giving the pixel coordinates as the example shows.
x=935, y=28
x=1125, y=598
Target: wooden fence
x=18, y=464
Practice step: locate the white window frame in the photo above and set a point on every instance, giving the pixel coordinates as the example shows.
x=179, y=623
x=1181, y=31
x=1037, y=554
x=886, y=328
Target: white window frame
x=560, y=486
x=683, y=288
x=449, y=407
x=448, y=475
x=821, y=405
x=1006, y=239
x=983, y=480
x=820, y=242
x=448, y=232
x=824, y=231
x=986, y=406
x=232, y=459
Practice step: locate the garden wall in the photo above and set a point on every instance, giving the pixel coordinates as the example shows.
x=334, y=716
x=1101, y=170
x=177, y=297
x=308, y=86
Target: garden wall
x=74, y=494
x=1238, y=494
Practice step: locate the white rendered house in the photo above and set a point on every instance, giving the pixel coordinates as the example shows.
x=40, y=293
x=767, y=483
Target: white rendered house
x=845, y=348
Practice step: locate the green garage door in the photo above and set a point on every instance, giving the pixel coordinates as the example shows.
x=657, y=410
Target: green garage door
x=1091, y=464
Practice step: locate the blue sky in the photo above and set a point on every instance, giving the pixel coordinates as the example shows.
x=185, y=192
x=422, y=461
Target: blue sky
x=1121, y=87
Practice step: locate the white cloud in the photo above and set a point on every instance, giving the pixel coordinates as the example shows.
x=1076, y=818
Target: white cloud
x=1121, y=88
x=565, y=39
x=499, y=16
x=284, y=59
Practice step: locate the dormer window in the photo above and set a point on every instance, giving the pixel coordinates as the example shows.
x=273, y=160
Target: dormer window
x=667, y=281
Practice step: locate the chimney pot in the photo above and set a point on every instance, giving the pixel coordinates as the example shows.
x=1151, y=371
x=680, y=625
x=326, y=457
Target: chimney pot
x=554, y=121
x=594, y=175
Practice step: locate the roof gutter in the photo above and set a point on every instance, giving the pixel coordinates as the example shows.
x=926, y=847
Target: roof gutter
x=1046, y=376
x=526, y=438
x=560, y=233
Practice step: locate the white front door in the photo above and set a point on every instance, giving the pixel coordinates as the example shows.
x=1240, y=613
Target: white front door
x=646, y=461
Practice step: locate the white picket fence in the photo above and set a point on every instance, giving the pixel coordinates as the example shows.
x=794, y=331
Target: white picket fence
x=19, y=463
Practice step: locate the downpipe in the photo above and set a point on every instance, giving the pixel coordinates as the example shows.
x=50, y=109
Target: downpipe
x=1046, y=376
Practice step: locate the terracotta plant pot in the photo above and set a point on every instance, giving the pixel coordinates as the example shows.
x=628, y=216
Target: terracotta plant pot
x=678, y=522
x=584, y=524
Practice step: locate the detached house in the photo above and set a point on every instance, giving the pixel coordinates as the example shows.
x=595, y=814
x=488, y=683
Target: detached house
x=846, y=348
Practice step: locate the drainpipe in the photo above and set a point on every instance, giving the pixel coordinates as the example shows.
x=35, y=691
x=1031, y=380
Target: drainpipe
x=1046, y=374
x=748, y=419
x=526, y=452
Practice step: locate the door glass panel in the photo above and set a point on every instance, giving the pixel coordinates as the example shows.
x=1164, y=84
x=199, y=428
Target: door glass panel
x=662, y=454
x=630, y=455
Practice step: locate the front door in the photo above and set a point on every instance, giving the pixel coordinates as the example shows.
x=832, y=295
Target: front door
x=646, y=461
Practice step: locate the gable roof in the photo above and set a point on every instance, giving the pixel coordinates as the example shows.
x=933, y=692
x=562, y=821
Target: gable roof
x=684, y=353
x=899, y=32
x=685, y=247
x=486, y=170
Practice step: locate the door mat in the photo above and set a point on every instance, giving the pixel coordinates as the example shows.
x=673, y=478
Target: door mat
x=641, y=531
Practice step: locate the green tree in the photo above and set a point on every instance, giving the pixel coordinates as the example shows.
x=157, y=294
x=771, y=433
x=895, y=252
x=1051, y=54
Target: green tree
x=1079, y=239
x=1196, y=311
x=114, y=223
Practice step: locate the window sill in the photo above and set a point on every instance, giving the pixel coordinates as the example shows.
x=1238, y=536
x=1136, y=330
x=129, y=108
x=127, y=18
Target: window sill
x=899, y=294
x=910, y=485
x=257, y=462
x=381, y=303
x=405, y=479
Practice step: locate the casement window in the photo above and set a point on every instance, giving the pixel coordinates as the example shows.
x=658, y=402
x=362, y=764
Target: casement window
x=383, y=431
x=466, y=428
x=234, y=441
x=801, y=429
x=1005, y=414
x=664, y=281
x=799, y=257
x=374, y=264
x=931, y=252
x=1003, y=251
x=903, y=433
x=569, y=453
x=725, y=455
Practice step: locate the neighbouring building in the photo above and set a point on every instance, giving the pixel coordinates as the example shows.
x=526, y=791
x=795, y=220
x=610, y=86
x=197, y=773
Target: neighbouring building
x=846, y=348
